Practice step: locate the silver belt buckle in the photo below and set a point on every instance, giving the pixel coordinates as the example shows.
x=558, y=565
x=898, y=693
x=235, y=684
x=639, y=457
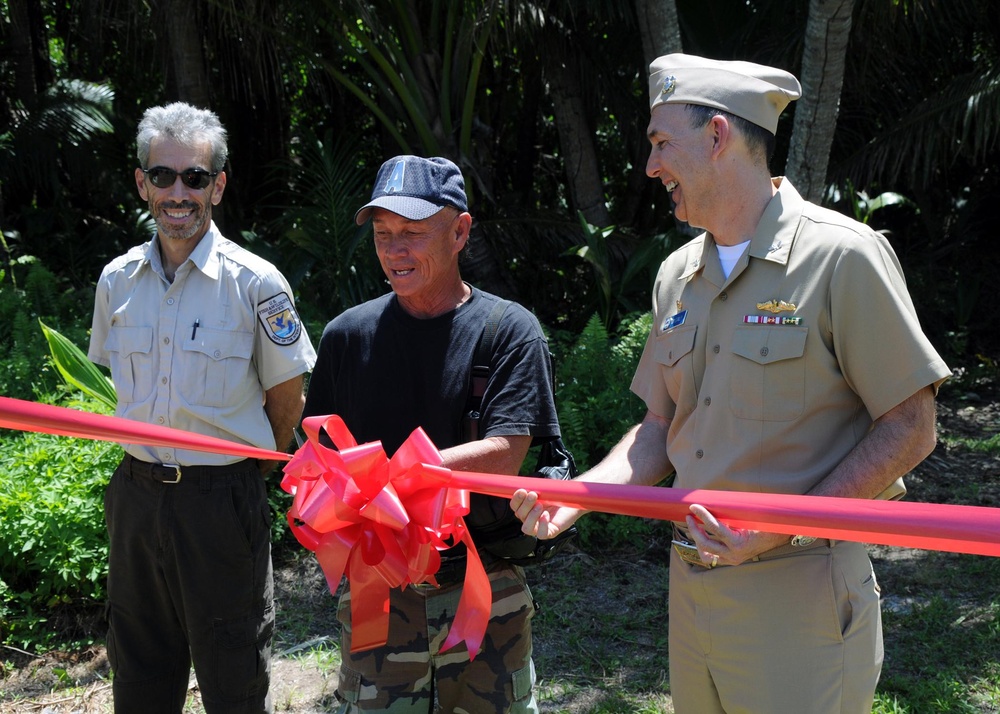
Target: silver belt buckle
x=177, y=468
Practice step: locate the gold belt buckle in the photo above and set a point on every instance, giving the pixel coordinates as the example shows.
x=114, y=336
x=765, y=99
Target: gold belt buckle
x=688, y=552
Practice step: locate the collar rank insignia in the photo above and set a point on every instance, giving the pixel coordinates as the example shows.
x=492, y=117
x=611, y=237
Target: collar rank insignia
x=776, y=306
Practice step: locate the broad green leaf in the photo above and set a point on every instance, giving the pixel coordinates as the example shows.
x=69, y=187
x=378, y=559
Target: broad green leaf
x=77, y=370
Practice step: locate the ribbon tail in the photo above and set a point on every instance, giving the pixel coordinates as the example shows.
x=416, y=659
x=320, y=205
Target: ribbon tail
x=473, y=613
x=333, y=553
x=369, y=606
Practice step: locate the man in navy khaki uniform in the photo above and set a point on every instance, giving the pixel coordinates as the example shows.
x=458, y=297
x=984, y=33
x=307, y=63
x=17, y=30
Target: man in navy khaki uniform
x=785, y=357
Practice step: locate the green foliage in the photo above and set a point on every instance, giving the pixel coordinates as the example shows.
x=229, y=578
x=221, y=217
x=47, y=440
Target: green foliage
x=945, y=656
x=31, y=292
x=70, y=113
x=53, y=544
x=596, y=408
x=327, y=256
x=593, y=375
x=986, y=445
x=862, y=206
x=420, y=67
x=624, y=276
x=77, y=370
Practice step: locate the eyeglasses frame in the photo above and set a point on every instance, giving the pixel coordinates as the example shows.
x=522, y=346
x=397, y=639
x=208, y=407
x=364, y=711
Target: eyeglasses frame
x=204, y=177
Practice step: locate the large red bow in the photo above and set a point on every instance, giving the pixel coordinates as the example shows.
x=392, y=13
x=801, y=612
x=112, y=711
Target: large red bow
x=380, y=523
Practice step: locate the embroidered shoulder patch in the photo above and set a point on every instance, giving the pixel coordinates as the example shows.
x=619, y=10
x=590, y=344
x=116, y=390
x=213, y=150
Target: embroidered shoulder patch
x=277, y=315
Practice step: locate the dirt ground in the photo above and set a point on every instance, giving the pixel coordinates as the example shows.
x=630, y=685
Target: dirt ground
x=303, y=681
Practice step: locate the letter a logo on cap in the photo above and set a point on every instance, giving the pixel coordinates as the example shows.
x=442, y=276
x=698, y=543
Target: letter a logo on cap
x=395, y=181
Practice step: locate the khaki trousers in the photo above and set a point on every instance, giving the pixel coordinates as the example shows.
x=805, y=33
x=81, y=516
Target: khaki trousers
x=801, y=633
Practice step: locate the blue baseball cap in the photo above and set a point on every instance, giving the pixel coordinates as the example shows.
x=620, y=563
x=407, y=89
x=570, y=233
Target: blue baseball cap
x=415, y=188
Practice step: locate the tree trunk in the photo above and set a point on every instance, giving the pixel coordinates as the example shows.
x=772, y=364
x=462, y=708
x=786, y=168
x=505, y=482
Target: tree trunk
x=659, y=28
x=827, y=32
x=29, y=51
x=577, y=142
x=187, y=57
x=660, y=32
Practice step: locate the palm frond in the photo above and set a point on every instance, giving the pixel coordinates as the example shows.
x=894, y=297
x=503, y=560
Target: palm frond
x=70, y=113
x=962, y=120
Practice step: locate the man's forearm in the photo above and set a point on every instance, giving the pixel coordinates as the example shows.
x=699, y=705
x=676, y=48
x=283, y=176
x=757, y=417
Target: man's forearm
x=283, y=405
x=495, y=455
x=640, y=458
x=899, y=440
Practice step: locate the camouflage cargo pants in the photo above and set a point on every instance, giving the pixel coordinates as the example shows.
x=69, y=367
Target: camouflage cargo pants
x=411, y=675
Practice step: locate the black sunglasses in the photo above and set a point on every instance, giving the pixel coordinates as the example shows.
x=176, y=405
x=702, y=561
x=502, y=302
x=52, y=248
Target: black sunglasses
x=162, y=177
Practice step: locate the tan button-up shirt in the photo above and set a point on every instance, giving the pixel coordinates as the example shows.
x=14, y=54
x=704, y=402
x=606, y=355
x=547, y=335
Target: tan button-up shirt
x=772, y=376
x=198, y=354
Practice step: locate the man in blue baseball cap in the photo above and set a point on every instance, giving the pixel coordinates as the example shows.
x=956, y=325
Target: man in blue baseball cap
x=405, y=360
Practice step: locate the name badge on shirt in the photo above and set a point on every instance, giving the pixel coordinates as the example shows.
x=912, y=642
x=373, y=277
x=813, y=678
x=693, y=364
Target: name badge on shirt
x=277, y=315
x=675, y=320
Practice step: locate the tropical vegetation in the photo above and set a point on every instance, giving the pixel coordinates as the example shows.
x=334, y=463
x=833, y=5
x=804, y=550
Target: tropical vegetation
x=543, y=105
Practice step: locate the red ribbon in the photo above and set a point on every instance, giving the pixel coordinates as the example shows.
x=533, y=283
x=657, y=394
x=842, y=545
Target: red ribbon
x=48, y=419
x=382, y=522
x=931, y=526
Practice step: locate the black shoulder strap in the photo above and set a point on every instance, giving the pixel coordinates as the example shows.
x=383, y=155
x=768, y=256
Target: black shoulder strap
x=481, y=369
x=484, y=351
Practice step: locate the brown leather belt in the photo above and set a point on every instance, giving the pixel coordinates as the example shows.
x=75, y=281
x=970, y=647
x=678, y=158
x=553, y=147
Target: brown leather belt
x=684, y=545
x=174, y=473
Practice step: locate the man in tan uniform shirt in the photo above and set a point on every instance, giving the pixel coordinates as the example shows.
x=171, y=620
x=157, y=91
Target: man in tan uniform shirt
x=785, y=357
x=204, y=336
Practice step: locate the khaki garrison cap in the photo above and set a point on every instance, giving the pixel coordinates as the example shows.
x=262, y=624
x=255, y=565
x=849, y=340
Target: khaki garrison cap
x=754, y=92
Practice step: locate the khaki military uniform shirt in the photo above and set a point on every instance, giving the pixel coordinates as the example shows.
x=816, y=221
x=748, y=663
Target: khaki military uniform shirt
x=198, y=354
x=772, y=376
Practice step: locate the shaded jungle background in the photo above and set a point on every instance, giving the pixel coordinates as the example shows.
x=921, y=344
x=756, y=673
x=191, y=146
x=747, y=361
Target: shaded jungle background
x=544, y=106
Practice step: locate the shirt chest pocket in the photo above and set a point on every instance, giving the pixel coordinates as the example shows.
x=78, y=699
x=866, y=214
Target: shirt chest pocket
x=220, y=367
x=767, y=382
x=673, y=352
x=130, y=349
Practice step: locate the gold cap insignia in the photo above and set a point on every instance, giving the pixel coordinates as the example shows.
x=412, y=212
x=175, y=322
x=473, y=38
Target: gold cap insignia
x=776, y=306
x=669, y=84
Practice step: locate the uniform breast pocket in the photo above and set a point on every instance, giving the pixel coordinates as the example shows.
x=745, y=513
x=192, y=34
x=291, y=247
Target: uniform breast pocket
x=673, y=352
x=768, y=377
x=130, y=349
x=221, y=367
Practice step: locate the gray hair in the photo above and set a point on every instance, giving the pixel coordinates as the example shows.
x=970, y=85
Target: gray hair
x=185, y=124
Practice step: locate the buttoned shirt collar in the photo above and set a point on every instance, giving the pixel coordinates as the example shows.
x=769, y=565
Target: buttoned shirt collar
x=772, y=240
x=204, y=257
